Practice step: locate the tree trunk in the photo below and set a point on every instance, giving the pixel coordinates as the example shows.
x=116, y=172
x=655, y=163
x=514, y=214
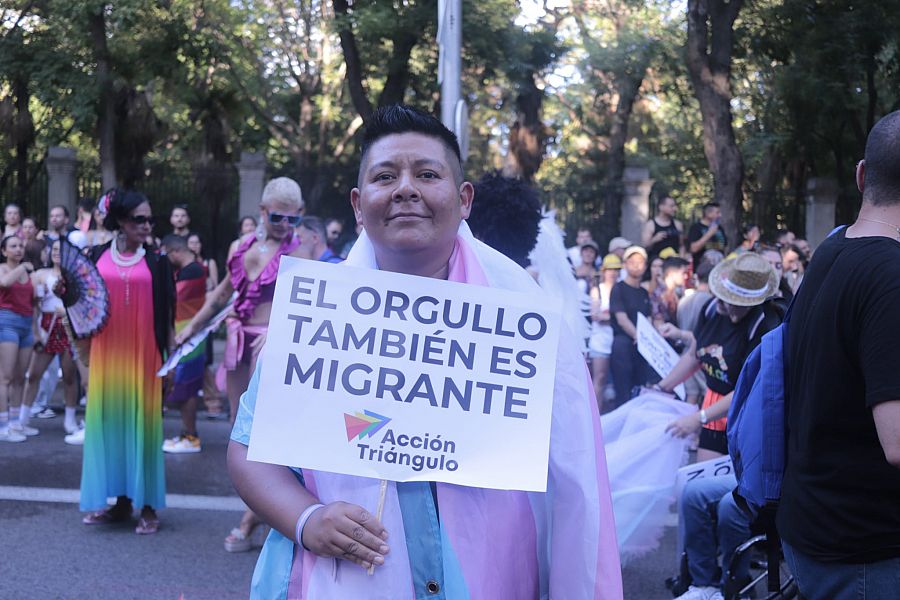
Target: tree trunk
x=709, y=47
x=23, y=135
x=398, y=71
x=351, y=59
x=627, y=89
x=526, y=136
x=107, y=102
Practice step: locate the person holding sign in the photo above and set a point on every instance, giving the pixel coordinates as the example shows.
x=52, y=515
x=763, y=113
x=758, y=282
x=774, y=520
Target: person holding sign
x=434, y=539
x=730, y=325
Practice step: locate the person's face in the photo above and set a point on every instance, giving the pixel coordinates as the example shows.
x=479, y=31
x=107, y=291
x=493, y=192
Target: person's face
x=408, y=198
x=611, y=276
x=29, y=229
x=733, y=312
x=635, y=265
x=276, y=209
x=334, y=231
x=179, y=218
x=752, y=236
x=15, y=249
x=668, y=207
x=656, y=269
x=582, y=237
x=55, y=255
x=178, y=257
x=787, y=238
x=194, y=244
x=804, y=246
x=588, y=256
x=136, y=227
x=713, y=213
x=58, y=219
x=774, y=259
x=309, y=240
x=791, y=261
x=12, y=215
x=247, y=226
x=674, y=278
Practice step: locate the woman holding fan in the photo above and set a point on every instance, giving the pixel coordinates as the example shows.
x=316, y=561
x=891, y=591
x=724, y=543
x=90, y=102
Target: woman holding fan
x=53, y=340
x=123, y=427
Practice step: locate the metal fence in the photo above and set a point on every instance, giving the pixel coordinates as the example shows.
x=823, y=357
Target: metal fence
x=210, y=194
x=34, y=201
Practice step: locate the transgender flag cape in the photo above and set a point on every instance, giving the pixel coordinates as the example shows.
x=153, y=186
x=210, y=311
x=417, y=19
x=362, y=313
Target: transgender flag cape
x=496, y=544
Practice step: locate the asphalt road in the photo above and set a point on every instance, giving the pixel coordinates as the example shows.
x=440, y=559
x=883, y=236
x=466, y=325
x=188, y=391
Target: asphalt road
x=48, y=554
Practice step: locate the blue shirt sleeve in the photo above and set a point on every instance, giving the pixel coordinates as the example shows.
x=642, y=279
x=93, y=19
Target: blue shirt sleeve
x=243, y=422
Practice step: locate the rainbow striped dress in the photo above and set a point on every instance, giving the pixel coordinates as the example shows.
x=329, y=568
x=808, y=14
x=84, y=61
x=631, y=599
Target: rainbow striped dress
x=123, y=426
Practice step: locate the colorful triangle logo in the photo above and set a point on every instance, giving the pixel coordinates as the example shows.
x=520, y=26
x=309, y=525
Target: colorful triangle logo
x=364, y=424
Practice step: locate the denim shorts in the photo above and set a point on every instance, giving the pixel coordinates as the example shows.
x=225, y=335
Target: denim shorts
x=16, y=328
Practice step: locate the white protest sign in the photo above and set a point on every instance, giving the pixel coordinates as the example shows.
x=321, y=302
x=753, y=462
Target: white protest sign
x=656, y=351
x=391, y=376
x=715, y=467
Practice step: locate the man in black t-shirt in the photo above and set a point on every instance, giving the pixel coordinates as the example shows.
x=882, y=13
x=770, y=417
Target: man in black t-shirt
x=626, y=300
x=839, y=516
x=706, y=234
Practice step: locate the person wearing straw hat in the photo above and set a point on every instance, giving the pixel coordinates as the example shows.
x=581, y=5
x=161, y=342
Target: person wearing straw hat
x=435, y=539
x=728, y=328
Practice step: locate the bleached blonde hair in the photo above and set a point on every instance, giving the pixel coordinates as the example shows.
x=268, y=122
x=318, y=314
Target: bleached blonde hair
x=282, y=189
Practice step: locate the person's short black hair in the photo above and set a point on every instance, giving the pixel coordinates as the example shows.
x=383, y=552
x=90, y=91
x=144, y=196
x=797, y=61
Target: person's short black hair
x=399, y=118
x=882, y=168
x=747, y=228
x=64, y=208
x=316, y=225
x=672, y=263
x=710, y=205
x=506, y=215
x=183, y=207
x=121, y=203
x=703, y=272
x=174, y=242
x=87, y=204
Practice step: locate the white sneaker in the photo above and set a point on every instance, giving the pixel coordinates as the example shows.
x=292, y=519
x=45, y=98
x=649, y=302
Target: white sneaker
x=11, y=436
x=187, y=444
x=73, y=427
x=701, y=593
x=23, y=429
x=75, y=439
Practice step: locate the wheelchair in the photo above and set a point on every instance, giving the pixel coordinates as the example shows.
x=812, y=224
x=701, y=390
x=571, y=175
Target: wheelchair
x=768, y=579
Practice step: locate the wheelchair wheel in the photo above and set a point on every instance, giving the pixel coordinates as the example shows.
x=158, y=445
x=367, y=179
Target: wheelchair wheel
x=757, y=586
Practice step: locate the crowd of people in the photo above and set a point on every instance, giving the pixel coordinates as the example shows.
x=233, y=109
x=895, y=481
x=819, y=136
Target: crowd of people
x=711, y=298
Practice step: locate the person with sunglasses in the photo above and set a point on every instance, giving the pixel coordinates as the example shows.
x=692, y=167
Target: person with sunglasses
x=252, y=271
x=123, y=432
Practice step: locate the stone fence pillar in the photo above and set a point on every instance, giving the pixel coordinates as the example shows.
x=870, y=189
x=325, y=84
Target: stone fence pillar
x=635, y=202
x=821, y=198
x=61, y=167
x=252, y=176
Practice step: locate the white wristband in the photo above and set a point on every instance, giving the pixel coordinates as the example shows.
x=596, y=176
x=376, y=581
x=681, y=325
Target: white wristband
x=703, y=418
x=301, y=523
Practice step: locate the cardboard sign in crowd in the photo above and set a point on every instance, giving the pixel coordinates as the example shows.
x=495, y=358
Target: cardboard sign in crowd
x=405, y=378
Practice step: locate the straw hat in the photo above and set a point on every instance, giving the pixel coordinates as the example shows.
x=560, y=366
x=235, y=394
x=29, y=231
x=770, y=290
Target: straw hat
x=618, y=243
x=611, y=261
x=743, y=281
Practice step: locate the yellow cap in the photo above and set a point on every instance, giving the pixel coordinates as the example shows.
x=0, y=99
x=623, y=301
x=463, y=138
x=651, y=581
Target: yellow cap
x=611, y=261
x=667, y=252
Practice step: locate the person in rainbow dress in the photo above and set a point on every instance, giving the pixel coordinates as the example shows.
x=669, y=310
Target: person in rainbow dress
x=123, y=425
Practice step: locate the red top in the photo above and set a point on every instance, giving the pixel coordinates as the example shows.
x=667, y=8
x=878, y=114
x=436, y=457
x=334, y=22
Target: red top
x=17, y=298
